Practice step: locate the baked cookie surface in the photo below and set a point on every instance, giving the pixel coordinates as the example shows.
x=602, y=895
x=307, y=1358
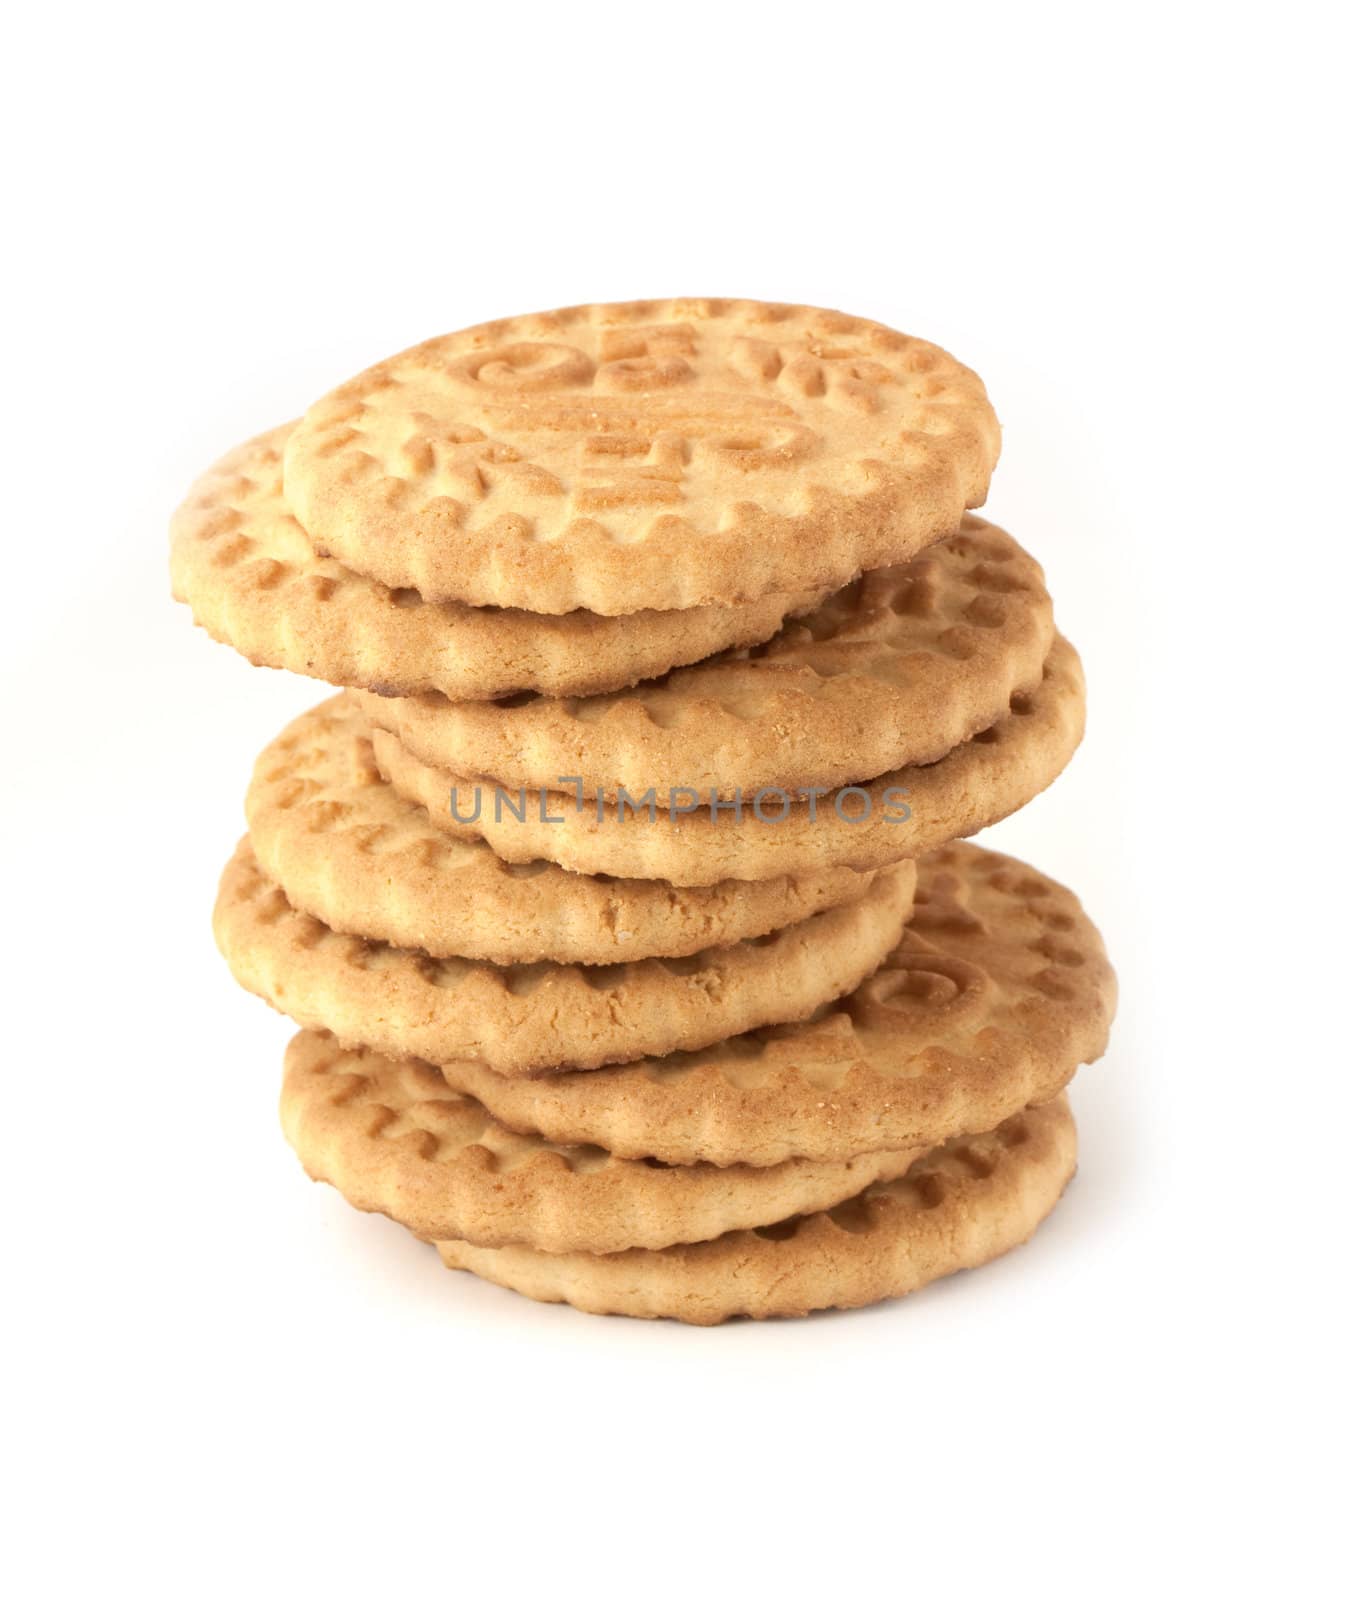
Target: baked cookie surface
x=651, y=455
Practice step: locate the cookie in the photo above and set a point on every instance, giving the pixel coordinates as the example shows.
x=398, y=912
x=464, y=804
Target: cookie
x=894, y=670
x=392, y=1137
x=252, y=579
x=957, y=1207
x=656, y=455
x=519, y=1020
x=899, y=815
x=997, y=991
x=343, y=846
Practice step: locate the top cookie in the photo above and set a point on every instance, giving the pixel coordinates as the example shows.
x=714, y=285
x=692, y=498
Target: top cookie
x=657, y=454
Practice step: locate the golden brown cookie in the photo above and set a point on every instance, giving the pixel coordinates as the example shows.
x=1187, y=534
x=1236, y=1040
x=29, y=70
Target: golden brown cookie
x=392, y=1137
x=343, y=846
x=655, y=455
x=898, y=815
x=960, y=1206
x=520, y=1020
x=252, y=579
x=894, y=670
x=997, y=991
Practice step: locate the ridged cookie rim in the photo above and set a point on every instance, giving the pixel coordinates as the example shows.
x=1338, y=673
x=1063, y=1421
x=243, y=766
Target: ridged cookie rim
x=977, y=784
x=520, y=1021
x=886, y=1250
x=813, y=1090
x=500, y=1188
x=362, y=860
x=897, y=670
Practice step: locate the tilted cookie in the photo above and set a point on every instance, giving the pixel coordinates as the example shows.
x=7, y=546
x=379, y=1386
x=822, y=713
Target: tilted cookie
x=896, y=669
x=520, y=1020
x=392, y=1137
x=959, y=1206
x=899, y=815
x=998, y=990
x=343, y=846
x=654, y=455
x=252, y=579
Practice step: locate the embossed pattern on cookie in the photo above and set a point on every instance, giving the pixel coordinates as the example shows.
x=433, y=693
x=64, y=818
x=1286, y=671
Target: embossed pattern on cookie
x=651, y=455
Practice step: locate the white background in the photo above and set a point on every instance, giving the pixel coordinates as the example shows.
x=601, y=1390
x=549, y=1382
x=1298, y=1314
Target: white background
x=1128, y=220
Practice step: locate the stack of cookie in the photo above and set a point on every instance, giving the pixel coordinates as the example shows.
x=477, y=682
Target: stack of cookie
x=617, y=894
